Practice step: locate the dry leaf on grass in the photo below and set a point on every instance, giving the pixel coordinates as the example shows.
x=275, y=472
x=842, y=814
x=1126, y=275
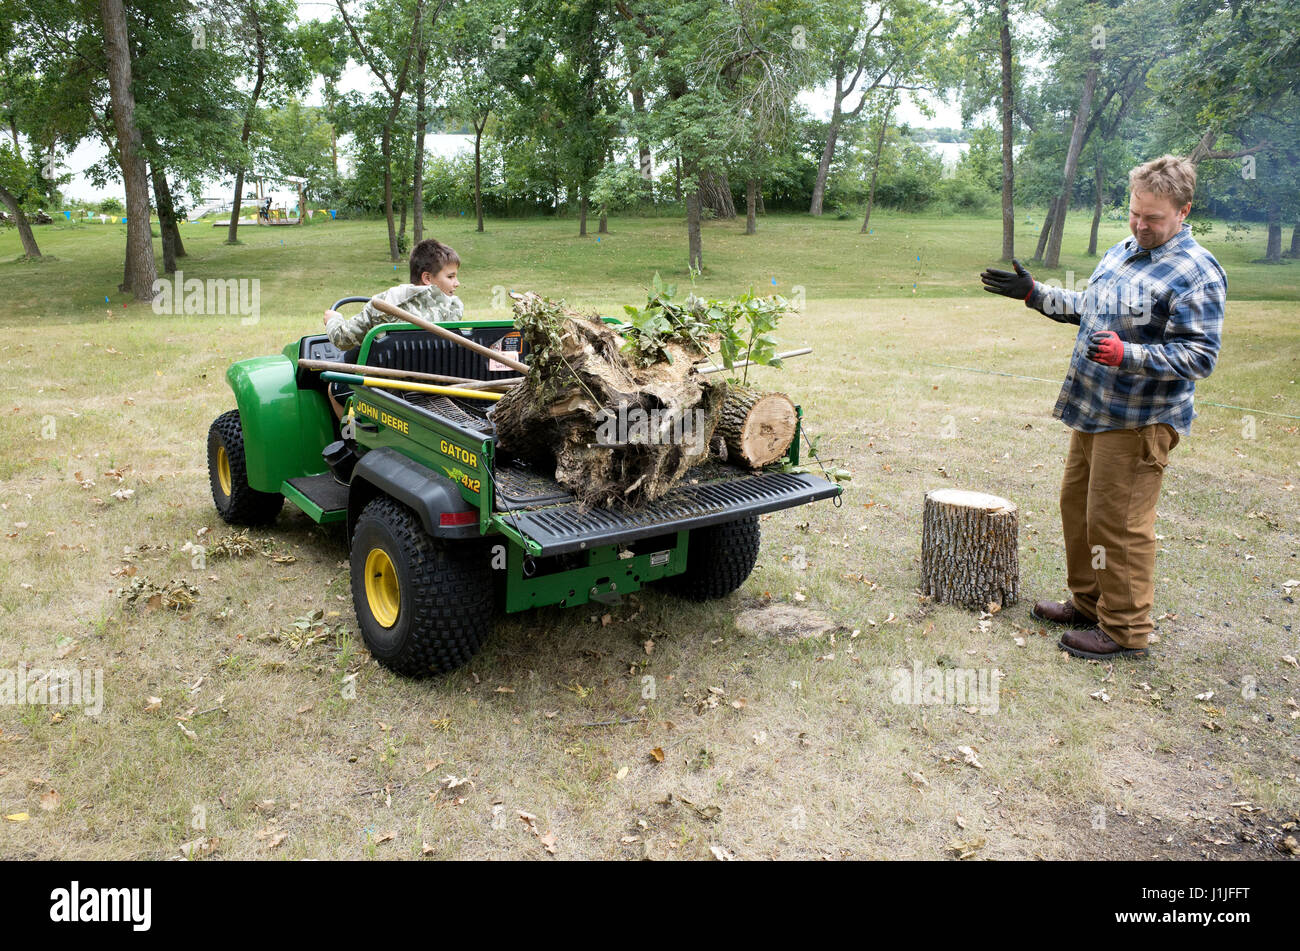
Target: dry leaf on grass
x=969, y=755
x=200, y=847
x=50, y=800
x=965, y=848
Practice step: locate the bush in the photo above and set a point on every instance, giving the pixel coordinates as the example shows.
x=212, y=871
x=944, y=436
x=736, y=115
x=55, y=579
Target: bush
x=962, y=195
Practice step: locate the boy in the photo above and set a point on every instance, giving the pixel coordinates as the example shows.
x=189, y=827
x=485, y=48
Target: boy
x=431, y=294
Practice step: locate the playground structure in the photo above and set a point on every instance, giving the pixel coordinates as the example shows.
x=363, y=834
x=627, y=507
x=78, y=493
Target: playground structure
x=268, y=212
x=278, y=214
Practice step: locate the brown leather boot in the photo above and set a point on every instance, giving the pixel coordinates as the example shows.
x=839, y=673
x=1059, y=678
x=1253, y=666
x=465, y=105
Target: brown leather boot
x=1095, y=644
x=1061, y=612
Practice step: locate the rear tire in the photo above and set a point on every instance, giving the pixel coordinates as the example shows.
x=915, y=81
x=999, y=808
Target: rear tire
x=237, y=502
x=718, y=560
x=424, y=607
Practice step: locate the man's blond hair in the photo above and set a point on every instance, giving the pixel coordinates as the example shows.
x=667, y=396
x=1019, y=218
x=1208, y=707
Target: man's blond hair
x=1168, y=175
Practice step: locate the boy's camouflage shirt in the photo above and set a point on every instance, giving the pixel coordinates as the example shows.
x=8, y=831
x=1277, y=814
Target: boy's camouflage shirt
x=423, y=300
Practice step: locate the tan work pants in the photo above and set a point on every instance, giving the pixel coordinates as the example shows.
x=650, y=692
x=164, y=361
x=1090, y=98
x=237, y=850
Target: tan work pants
x=1108, y=514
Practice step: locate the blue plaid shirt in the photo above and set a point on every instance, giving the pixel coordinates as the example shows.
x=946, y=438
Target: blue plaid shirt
x=1166, y=305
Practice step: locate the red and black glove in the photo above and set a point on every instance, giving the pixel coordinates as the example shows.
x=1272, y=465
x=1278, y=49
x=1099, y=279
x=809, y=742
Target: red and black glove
x=1017, y=283
x=1105, y=348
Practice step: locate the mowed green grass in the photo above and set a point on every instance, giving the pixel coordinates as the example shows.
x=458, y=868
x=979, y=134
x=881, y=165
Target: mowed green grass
x=804, y=750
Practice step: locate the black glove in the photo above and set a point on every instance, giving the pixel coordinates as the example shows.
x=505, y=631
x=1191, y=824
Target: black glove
x=1018, y=284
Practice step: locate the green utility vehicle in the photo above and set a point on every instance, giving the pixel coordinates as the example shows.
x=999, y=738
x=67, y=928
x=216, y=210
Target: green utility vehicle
x=443, y=529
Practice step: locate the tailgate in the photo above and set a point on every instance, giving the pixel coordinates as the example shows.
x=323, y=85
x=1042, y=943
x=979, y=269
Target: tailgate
x=574, y=527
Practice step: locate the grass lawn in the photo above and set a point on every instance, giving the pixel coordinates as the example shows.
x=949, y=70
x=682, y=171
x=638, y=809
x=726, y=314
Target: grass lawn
x=257, y=717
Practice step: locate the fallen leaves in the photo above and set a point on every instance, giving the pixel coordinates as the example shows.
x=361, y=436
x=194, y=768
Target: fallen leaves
x=965, y=848
x=176, y=594
x=198, y=848
x=968, y=755
x=50, y=800
x=548, y=841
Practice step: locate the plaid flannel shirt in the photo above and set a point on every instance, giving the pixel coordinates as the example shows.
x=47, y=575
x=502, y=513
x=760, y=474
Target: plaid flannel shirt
x=1166, y=305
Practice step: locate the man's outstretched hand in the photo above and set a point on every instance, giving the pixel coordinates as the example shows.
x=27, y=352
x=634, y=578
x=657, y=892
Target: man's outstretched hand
x=330, y=315
x=1017, y=283
x=1106, y=348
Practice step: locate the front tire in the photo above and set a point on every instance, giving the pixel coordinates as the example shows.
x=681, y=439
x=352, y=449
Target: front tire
x=718, y=560
x=237, y=502
x=424, y=607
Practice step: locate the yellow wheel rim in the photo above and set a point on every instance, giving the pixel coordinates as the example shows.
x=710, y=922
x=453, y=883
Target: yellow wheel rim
x=383, y=593
x=223, y=469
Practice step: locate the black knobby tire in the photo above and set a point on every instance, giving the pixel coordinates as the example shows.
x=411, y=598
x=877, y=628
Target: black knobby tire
x=718, y=560
x=241, y=504
x=445, y=609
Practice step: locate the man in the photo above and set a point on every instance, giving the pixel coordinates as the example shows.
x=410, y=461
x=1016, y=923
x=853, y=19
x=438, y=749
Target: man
x=1149, y=327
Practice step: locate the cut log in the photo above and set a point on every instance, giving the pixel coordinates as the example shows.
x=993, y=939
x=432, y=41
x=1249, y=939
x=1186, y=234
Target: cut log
x=969, y=553
x=757, y=427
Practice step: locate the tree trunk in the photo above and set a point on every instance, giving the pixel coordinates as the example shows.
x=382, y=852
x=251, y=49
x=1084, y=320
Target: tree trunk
x=1295, y=242
x=1047, y=228
x=1099, y=183
x=478, y=172
x=694, y=244
x=30, y=250
x=582, y=213
x=1053, y=256
x=875, y=165
x=969, y=552
x=757, y=428
x=645, y=160
x=762, y=209
x=824, y=166
x=1273, y=254
x=172, y=245
x=417, y=184
x=619, y=433
x=141, y=269
x=677, y=182
x=386, y=150
x=715, y=194
x=232, y=232
x=751, y=203
x=1008, y=136
x=603, y=227
x=168, y=241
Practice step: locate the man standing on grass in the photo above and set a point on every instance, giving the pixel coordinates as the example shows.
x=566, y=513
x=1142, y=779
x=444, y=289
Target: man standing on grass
x=1149, y=327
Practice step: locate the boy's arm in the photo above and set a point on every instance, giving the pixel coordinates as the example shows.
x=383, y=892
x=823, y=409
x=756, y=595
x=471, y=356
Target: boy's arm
x=348, y=332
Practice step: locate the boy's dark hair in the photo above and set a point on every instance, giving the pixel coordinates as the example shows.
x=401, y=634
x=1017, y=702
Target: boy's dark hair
x=432, y=256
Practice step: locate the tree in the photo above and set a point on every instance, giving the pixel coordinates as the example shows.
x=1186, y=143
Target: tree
x=863, y=44
x=141, y=269
x=480, y=57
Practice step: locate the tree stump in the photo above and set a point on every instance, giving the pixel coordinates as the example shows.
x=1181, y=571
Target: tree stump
x=757, y=427
x=969, y=553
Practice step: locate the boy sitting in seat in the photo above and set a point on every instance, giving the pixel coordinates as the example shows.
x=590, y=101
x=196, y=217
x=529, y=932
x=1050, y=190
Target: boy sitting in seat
x=431, y=295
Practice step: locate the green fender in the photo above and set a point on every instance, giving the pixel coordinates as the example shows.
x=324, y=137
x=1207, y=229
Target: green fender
x=285, y=428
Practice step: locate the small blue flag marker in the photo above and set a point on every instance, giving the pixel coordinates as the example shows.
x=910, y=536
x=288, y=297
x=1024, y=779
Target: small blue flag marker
x=773, y=282
x=105, y=298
